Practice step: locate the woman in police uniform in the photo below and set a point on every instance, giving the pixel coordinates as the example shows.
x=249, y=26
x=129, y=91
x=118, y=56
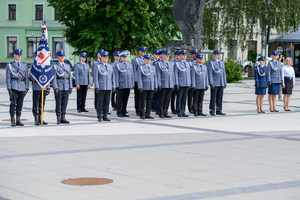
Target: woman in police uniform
x=261, y=83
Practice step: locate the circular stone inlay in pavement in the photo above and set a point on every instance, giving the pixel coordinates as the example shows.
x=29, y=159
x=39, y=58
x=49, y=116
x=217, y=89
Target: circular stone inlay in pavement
x=86, y=181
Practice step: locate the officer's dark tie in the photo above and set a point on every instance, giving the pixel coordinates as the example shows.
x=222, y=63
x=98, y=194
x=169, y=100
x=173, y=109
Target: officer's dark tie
x=105, y=67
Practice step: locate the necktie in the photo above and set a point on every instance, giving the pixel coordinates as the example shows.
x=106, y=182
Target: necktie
x=105, y=67
x=18, y=64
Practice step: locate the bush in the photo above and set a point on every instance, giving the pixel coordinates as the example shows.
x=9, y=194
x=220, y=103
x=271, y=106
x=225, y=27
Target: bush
x=233, y=71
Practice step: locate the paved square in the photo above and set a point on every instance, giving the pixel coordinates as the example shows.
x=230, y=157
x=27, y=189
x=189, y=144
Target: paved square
x=241, y=156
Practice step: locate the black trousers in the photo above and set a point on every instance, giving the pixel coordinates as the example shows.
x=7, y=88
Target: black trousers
x=164, y=100
x=145, y=98
x=61, y=101
x=155, y=101
x=81, y=97
x=37, y=102
x=16, y=102
x=190, y=100
x=198, y=100
x=173, y=97
x=95, y=99
x=216, y=98
x=113, y=100
x=181, y=100
x=103, y=103
x=122, y=100
x=136, y=97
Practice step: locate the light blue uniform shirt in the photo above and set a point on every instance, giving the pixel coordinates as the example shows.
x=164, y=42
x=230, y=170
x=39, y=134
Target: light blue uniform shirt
x=62, y=76
x=275, y=71
x=124, y=75
x=182, y=73
x=216, y=73
x=199, y=76
x=17, y=76
x=82, y=74
x=165, y=74
x=104, y=77
x=146, y=77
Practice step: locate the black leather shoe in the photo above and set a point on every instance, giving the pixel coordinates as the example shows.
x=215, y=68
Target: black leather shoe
x=79, y=111
x=84, y=110
x=179, y=115
x=149, y=117
x=63, y=120
x=161, y=116
x=276, y=110
x=212, y=113
x=12, y=121
x=120, y=115
x=196, y=115
x=185, y=115
x=202, y=114
x=99, y=119
x=125, y=115
x=174, y=112
x=142, y=117
x=36, y=120
x=106, y=119
x=167, y=116
x=220, y=113
x=19, y=123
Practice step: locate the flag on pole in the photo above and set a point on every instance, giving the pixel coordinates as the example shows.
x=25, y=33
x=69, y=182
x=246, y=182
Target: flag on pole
x=41, y=69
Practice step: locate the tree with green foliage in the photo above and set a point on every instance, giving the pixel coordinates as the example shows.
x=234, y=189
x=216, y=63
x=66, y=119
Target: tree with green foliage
x=229, y=20
x=233, y=71
x=116, y=24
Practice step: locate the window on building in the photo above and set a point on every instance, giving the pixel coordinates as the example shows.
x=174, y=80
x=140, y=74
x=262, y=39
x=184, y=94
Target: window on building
x=38, y=12
x=11, y=46
x=58, y=43
x=56, y=17
x=12, y=11
x=32, y=46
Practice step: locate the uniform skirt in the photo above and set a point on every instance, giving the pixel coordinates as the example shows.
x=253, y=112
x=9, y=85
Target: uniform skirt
x=274, y=89
x=288, y=81
x=260, y=91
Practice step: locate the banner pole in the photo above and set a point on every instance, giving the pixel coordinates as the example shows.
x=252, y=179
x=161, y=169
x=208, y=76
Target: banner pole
x=42, y=107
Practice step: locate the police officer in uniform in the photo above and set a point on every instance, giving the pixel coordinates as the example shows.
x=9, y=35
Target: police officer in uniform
x=165, y=81
x=155, y=55
x=124, y=82
x=17, y=83
x=138, y=60
x=62, y=85
x=94, y=64
x=199, y=84
x=217, y=81
x=191, y=90
x=147, y=84
x=113, y=93
x=275, y=80
x=183, y=82
x=37, y=100
x=261, y=83
x=175, y=89
x=82, y=81
x=104, y=84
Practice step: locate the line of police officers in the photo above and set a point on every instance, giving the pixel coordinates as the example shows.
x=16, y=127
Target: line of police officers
x=168, y=80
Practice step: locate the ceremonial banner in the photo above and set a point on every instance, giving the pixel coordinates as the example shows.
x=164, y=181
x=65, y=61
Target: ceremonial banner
x=41, y=69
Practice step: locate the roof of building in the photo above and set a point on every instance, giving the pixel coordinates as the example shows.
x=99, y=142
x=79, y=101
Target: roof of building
x=288, y=37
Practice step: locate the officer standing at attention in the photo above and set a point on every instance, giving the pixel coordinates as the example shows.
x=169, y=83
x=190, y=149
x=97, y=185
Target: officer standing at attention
x=147, y=83
x=165, y=81
x=275, y=80
x=261, y=83
x=124, y=82
x=94, y=66
x=138, y=60
x=17, y=83
x=113, y=93
x=37, y=100
x=191, y=90
x=82, y=81
x=217, y=81
x=199, y=84
x=175, y=89
x=104, y=84
x=183, y=82
x=62, y=85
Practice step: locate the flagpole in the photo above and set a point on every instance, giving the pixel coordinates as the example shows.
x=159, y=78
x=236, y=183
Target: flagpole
x=42, y=107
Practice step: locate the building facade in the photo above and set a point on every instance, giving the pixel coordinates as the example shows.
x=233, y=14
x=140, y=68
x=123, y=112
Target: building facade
x=20, y=22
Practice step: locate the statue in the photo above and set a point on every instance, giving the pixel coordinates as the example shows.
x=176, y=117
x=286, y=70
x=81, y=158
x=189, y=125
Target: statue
x=188, y=15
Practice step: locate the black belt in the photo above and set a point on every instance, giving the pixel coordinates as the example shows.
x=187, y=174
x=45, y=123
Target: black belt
x=19, y=79
x=64, y=78
x=291, y=78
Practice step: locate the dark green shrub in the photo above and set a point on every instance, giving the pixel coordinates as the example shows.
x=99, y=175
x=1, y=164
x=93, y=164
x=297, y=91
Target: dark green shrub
x=233, y=71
